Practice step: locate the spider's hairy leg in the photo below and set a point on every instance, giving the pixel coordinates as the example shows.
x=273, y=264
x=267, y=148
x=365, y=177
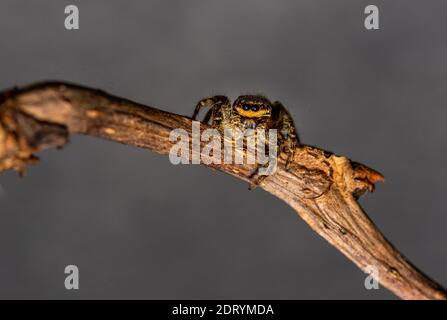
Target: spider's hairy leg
x=211, y=114
x=289, y=148
x=288, y=137
x=210, y=102
x=256, y=179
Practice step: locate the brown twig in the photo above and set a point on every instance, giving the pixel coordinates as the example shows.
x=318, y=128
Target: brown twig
x=321, y=187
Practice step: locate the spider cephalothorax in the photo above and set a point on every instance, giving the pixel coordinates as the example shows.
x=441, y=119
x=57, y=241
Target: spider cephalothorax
x=251, y=112
x=253, y=107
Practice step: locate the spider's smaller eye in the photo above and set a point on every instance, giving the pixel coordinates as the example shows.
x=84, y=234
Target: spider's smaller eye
x=255, y=108
x=246, y=107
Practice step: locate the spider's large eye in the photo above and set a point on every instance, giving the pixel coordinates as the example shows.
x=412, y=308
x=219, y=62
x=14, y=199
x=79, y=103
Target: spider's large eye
x=246, y=107
x=255, y=108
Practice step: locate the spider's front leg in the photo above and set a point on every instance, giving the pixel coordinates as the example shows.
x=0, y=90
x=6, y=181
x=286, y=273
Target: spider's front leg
x=213, y=102
x=257, y=177
x=287, y=134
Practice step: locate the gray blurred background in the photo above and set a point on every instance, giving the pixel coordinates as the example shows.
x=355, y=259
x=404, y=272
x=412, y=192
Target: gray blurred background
x=139, y=227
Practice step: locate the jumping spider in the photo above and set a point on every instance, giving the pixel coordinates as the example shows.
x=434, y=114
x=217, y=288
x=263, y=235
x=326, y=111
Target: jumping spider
x=251, y=112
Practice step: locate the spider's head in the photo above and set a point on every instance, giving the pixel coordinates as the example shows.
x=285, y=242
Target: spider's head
x=253, y=106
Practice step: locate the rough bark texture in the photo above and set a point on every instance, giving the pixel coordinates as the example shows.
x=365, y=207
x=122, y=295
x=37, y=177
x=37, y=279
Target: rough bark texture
x=320, y=186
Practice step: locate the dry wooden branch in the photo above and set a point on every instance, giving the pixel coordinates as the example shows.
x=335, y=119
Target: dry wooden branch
x=321, y=187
